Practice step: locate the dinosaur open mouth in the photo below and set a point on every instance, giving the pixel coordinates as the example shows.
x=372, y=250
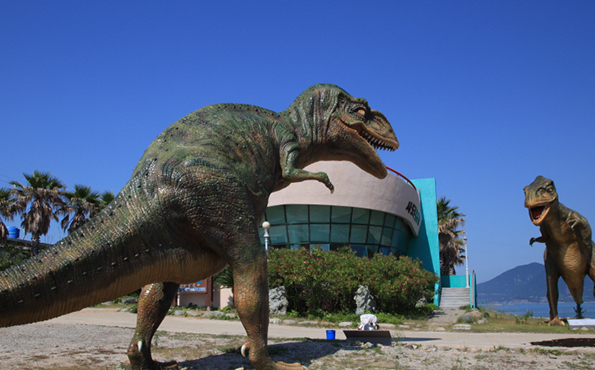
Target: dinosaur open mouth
x=376, y=142
x=538, y=213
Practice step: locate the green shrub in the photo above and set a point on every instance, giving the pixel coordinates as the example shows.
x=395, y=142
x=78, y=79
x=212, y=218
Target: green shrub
x=12, y=253
x=319, y=282
x=389, y=318
x=397, y=284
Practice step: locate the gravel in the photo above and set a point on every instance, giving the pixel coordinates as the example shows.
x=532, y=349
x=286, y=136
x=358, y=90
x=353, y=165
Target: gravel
x=76, y=346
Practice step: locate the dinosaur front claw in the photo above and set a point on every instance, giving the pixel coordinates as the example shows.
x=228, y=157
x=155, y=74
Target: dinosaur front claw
x=244, y=348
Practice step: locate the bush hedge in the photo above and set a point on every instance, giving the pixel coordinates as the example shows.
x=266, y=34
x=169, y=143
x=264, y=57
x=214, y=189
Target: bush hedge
x=12, y=253
x=317, y=281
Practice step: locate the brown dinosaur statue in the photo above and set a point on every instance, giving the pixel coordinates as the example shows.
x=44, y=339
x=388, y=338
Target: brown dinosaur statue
x=192, y=207
x=568, y=245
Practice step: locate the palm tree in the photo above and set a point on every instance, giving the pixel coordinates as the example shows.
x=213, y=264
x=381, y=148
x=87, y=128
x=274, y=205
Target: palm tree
x=8, y=208
x=106, y=198
x=38, y=201
x=452, y=246
x=81, y=204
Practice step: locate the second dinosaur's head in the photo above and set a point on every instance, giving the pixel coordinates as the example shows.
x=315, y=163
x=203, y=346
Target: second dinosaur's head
x=540, y=196
x=345, y=127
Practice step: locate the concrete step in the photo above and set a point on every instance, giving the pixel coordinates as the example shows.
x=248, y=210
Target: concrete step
x=453, y=298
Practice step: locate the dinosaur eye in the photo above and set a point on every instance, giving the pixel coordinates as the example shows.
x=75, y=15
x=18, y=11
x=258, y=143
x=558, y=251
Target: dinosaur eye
x=361, y=112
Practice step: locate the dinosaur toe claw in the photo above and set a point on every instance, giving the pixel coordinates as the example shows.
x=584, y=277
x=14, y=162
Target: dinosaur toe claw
x=556, y=321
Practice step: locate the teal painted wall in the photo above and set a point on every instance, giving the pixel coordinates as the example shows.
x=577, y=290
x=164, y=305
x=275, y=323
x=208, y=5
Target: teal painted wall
x=454, y=281
x=426, y=246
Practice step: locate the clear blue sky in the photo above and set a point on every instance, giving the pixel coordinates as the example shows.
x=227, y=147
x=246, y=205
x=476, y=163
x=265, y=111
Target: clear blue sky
x=484, y=96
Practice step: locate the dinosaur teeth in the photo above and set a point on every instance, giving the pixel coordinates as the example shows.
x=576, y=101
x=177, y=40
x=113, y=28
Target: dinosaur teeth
x=375, y=142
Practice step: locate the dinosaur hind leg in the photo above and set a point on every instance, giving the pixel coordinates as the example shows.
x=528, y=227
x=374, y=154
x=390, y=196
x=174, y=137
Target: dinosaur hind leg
x=552, y=296
x=591, y=271
x=251, y=299
x=576, y=290
x=154, y=302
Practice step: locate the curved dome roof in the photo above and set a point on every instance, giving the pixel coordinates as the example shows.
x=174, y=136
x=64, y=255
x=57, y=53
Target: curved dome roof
x=355, y=188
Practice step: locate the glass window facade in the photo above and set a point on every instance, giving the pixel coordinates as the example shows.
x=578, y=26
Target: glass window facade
x=330, y=227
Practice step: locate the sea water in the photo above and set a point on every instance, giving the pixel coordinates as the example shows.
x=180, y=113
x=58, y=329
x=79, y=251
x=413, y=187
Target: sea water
x=565, y=309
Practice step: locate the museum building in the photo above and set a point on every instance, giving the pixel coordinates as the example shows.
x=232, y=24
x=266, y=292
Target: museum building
x=393, y=215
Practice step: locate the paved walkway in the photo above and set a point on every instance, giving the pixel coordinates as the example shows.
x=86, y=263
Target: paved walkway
x=111, y=317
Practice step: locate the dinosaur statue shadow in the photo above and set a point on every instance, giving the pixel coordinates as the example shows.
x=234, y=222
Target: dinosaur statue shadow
x=304, y=352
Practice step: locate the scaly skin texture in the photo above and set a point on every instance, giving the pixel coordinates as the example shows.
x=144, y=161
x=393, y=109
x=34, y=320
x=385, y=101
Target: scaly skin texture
x=192, y=207
x=568, y=245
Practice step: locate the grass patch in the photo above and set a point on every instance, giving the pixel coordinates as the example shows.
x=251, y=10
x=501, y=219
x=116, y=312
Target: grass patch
x=500, y=322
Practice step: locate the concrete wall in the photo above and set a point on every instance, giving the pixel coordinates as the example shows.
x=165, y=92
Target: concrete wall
x=454, y=281
x=222, y=297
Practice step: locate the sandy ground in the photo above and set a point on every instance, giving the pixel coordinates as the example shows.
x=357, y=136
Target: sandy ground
x=66, y=343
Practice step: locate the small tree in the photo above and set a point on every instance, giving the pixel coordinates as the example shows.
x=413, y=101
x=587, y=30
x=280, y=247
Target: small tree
x=8, y=208
x=37, y=201
x=104, y=199
x=452, y=246
x=78, y=207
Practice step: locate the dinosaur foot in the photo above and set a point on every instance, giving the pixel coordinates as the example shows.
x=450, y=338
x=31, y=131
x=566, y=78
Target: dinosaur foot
x=276, y=365
x=272, y=365
x=556, y=321
x=284, y=366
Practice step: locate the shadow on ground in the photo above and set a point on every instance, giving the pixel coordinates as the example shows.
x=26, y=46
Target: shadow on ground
x=303, y=352
x=567, y=342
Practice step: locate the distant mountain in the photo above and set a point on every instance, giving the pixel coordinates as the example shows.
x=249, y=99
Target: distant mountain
x=524, y=284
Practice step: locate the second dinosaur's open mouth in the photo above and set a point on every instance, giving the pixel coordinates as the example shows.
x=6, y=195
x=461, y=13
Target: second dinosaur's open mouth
x=538, y=213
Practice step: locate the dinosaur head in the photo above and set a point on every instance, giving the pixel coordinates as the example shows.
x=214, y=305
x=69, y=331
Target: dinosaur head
x=540, y=196
x=346, y=128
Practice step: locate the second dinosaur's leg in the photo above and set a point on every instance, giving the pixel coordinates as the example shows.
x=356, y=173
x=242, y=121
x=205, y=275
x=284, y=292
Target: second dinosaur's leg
x=552, y=297
x=576, y=290
x=579, y=312
x=591, y=270
x=153, y=303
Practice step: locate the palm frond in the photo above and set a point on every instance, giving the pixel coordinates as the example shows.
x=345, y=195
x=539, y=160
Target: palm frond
x=38, y=202
x=452, y=245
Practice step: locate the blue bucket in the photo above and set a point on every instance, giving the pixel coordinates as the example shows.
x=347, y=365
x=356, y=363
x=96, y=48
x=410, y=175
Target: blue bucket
x=330, y=335
x=13, y=232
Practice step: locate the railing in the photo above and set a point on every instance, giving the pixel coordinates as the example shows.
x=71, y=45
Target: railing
x=401, y=176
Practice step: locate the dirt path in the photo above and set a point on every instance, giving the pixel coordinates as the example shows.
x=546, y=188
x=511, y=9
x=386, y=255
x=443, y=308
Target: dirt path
x=61, y=345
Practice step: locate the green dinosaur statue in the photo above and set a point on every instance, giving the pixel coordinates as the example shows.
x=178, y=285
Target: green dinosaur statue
x=568, y=245
x=192, y=207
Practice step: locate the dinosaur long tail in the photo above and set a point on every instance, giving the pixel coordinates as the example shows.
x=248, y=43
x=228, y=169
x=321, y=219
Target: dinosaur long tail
x=103, y=260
